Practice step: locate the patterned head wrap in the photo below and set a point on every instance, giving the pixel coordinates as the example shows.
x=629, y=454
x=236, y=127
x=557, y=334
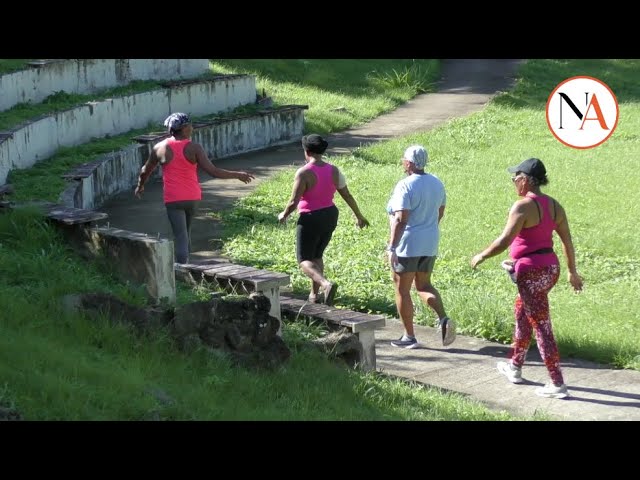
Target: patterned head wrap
x=176, y=121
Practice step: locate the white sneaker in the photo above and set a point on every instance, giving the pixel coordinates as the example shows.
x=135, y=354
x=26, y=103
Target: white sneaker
x=447, y=330
x=553, y=391
x=406, y=342
x=513, y=374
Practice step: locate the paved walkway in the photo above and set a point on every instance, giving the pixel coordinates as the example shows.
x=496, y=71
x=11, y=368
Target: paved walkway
x=467, y=366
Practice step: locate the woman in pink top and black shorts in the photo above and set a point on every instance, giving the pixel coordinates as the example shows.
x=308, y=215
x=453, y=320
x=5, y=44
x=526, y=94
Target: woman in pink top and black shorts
x=314, y=187
x=535, y=269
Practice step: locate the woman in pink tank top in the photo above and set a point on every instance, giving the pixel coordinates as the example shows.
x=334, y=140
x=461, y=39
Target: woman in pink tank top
x=535, y=269
x=180, y=158
x=314, y=187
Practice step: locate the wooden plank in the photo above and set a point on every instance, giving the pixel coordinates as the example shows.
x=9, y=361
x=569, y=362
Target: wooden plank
x=277, y=282
x=218, y=269
x=368, y=322
x=267, y=275
x=234, y=270
x=284, y=299
x=73, y=216
x=263, y=279
x=210, y=260
x=247, y=276
x=340, y=315
x=201, y=267
x=313, y=309
x=356, y=321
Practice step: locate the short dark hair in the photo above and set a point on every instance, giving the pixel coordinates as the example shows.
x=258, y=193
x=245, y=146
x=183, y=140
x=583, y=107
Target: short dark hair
x=314, y=143
x=535, y=181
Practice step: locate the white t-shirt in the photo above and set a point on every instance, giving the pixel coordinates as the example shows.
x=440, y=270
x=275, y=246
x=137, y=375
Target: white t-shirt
x=422, y=196
x=342, y=182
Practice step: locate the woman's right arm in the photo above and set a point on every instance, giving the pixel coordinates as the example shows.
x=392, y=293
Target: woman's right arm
x=203, y=161
x=146, y=171
x=562, y=228
x=299, y=187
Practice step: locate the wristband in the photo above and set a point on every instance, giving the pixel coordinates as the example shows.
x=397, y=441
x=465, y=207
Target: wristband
x=391, y=249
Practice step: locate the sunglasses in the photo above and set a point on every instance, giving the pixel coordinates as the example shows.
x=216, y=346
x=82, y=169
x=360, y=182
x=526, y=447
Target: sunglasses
x=515, y=177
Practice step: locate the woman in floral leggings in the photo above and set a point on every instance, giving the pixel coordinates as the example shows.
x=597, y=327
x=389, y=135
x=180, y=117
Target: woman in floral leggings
x=535, y=268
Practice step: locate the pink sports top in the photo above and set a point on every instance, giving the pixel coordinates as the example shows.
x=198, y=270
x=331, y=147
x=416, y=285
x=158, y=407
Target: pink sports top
x=321, y=194
x=180, y=176
x=533, y=246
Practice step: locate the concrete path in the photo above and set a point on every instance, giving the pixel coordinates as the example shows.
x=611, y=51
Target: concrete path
x=467, y=366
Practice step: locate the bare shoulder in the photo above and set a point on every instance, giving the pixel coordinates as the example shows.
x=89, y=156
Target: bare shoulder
x=560, y=214
x=523, y=206
x=161, y=145
x=523, y=203
x=302, y=171
x=555, y=202
x=193, y=147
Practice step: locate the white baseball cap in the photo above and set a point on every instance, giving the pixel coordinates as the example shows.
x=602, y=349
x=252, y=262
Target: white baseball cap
x=417, y=155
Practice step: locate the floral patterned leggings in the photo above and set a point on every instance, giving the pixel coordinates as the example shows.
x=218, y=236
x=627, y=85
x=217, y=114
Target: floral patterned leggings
x=532, y=312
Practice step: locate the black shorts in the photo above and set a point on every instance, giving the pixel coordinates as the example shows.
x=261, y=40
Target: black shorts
x=314, y=231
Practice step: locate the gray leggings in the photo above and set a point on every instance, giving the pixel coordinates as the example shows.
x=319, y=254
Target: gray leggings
x=180, y=215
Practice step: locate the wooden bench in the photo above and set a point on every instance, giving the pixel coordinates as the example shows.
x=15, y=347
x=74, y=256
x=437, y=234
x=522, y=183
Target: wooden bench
x=72, y=216
x=363, y=325
x=240, y=279
x=67, y=216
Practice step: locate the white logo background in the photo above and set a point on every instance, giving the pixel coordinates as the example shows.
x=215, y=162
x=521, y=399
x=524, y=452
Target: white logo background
x=592, y=134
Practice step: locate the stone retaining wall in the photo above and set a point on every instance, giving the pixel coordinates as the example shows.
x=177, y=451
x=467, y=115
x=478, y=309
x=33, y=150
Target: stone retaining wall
x=84, y=76
x=92, y=184
x=37, y=140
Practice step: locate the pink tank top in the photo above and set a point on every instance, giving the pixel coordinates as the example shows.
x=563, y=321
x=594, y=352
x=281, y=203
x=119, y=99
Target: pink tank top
x=535, y=238
x=180, y=176
x=321, y=194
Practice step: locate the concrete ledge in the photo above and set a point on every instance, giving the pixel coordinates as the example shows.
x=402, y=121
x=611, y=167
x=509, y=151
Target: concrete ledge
x=38, y=139
x=93, y=183
x=134, y=257
x=225, y=137
x=82, y=76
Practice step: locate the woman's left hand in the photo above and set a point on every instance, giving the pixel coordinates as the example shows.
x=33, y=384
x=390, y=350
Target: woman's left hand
x=392, y=257
x=362, y=222
x=477, y=260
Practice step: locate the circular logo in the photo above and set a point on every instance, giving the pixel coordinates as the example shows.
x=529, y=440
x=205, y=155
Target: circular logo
x=582, y=112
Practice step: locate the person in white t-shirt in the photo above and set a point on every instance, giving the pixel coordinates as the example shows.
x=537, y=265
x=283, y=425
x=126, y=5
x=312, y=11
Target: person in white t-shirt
x=416, y=208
